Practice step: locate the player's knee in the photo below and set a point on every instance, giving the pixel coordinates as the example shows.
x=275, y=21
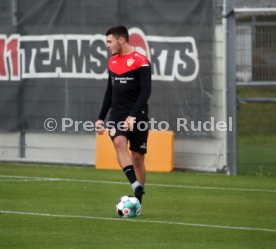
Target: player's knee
x=119, y=144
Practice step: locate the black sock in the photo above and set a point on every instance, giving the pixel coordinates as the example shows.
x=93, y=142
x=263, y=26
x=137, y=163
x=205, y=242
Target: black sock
x=130, y=173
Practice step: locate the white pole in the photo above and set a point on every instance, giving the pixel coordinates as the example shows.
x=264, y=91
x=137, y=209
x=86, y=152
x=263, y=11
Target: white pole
x=224, y=80
x=260, y=11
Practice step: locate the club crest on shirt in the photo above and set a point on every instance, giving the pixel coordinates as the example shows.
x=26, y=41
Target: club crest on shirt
x=130, y=61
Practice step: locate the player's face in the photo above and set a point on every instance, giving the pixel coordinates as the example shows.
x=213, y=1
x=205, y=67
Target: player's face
x=113, y=44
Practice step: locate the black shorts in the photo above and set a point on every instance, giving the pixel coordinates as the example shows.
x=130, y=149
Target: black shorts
x=137, y=137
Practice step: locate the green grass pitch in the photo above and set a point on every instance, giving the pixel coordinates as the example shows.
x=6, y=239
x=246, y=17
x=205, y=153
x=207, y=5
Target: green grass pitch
x=57, y=207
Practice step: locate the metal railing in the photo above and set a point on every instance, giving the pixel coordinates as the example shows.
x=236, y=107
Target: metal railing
x=256, y=90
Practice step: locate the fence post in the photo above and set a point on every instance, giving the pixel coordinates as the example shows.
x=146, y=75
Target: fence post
x=21, y=126
x=231, y=85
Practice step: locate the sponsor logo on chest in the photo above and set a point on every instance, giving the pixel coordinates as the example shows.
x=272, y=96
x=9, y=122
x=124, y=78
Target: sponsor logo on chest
x=123, y=80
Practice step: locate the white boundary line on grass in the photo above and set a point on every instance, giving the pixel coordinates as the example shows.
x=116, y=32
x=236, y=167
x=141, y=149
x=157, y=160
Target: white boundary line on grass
x=139, y=220
x=35, y=178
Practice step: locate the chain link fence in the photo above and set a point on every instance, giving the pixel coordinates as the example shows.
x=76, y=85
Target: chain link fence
x=256, y=92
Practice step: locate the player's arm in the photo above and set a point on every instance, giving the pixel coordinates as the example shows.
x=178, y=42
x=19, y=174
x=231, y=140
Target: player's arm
x=105, y=108
x=145, y=86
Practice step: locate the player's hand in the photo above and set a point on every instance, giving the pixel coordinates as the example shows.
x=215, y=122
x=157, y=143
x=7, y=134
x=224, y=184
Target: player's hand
x=99, y=127
x=129, y=123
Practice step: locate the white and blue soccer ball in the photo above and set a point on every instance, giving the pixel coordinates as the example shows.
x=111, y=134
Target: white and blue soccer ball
x=128, y=207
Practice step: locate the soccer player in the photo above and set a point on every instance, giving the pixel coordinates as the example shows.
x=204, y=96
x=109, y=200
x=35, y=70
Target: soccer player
x=127, y=93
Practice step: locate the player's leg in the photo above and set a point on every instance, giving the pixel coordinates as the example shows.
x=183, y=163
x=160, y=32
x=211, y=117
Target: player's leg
x=139, y=167
x=138, y=160
x=138, y=146
x=120, y=144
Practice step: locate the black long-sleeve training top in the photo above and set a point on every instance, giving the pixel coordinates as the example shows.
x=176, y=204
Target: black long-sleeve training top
x=129, y=86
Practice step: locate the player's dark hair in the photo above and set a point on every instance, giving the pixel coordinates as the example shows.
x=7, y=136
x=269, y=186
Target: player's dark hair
x=118, y=31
